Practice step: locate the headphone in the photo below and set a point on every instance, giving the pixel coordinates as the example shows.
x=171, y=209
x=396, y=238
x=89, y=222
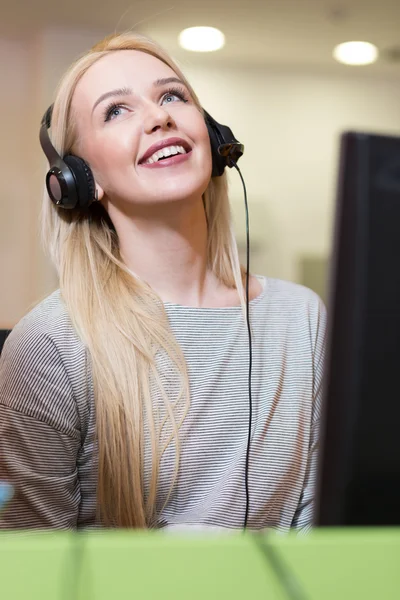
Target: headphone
x=70, y=182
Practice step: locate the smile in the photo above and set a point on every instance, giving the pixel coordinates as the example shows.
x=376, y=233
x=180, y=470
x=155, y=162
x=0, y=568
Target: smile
x=165, y=153
x=169, y=156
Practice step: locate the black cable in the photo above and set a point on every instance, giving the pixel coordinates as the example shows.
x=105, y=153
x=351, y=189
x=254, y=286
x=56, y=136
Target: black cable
x=286, y=578
x=289, y=582
x=246, y=476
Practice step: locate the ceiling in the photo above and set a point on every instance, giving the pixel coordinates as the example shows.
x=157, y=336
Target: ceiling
x=258, y=32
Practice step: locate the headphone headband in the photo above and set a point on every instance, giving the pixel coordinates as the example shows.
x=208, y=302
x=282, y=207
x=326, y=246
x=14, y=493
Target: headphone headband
x=70, y=182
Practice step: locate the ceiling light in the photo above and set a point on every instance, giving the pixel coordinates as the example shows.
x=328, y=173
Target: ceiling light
x=201, y=39
x=356, y=53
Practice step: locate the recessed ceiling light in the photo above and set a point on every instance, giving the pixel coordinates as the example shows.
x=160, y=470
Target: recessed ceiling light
x=201, y=39
x=356, y=53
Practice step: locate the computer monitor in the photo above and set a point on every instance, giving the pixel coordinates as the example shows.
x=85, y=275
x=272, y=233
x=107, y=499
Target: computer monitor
x=359, y=467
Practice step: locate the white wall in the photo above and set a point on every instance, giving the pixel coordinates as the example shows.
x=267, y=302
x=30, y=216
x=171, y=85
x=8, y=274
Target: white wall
x=288, y=120
x=30, y=68
x=290, y=123
x=17, y=202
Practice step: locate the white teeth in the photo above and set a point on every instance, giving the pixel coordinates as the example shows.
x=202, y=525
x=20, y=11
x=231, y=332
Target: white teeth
x=165, y=153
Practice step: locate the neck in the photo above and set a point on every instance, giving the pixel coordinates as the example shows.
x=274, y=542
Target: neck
x=169, y=252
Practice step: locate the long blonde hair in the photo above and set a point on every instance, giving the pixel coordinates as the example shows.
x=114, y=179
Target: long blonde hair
x=122, y=321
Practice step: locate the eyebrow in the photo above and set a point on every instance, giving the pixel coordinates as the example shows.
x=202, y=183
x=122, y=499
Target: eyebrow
x=166, y=80
x=128, y=91
x=118, y=92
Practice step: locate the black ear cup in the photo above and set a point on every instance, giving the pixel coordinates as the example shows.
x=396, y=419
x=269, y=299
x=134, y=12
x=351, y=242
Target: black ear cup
x=69, y=181
x=84, y=180
x=225, y=149
x=218, y=161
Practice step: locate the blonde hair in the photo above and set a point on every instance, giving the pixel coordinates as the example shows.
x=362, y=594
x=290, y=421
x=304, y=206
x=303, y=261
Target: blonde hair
x=122, y=321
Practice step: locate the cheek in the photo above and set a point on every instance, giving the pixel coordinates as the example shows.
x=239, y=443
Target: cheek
x=204, y=140
x=112, y=152
x=208, y=154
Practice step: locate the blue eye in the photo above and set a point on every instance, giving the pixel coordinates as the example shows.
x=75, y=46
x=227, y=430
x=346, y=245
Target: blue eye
x=169, y=98
x=113, y=111
x=174, y=95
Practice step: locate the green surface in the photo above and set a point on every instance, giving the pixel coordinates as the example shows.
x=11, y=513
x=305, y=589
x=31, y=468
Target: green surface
x=327, y=564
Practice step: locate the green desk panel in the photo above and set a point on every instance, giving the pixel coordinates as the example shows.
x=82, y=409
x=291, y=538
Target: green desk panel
x=325, y=564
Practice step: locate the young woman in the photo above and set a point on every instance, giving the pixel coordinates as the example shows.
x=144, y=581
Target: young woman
x=124, y=395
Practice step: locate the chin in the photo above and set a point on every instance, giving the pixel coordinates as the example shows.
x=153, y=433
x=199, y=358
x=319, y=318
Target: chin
x=186, y=199
x=180, y=192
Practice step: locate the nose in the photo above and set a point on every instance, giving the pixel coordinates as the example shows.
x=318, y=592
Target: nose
x=157, y=117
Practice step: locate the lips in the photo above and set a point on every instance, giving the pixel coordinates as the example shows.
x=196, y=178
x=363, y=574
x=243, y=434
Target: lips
x=173, y=141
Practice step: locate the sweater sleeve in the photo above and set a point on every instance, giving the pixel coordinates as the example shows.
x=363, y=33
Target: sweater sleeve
x=304, y=515
x=39, y=434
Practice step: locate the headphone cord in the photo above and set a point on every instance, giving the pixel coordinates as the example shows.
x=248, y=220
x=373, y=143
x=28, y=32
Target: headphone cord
x=285, y=575
x=246, y=476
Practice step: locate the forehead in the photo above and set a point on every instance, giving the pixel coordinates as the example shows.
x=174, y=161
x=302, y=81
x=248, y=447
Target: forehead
x=118, y=69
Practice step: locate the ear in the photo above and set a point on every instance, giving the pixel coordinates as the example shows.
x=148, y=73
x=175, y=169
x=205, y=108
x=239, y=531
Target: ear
x=99, y=191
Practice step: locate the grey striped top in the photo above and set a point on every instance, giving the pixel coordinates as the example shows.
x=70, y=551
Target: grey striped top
x=47, y=416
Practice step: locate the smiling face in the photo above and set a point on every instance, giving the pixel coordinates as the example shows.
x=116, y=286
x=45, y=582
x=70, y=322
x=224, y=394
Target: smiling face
x=140, y=131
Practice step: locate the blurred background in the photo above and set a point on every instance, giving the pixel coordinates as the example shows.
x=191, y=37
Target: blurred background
x=275, y=82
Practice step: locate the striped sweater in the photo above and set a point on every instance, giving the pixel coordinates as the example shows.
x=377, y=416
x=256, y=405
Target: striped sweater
x=47, y=417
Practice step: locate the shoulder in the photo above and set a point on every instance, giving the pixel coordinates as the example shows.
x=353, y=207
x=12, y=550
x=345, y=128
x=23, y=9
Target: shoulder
x=294, y=310
x=42, y=365
x=46, y=325
x=45, y=316
x=292, y=299
x=290, y=293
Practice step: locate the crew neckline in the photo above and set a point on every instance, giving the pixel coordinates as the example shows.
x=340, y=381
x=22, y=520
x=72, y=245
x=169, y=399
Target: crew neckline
x=262, y=279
